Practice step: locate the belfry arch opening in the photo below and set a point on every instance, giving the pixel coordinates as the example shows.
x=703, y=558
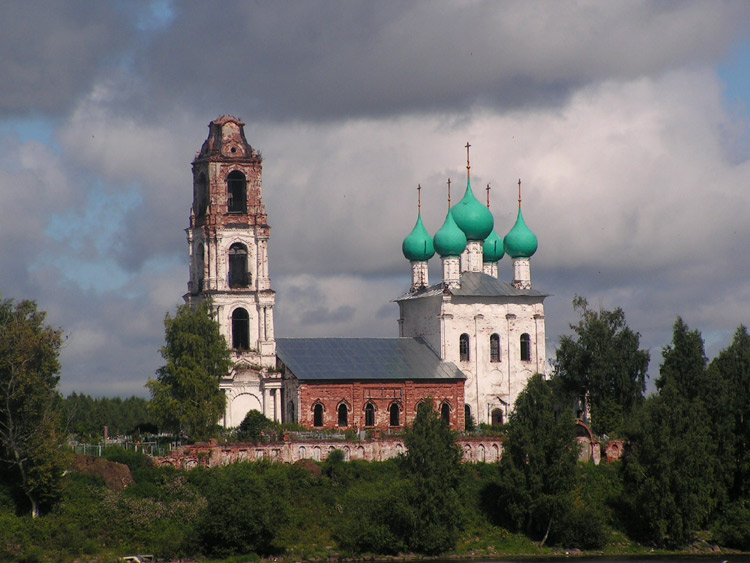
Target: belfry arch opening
x=240, y=329
x=237, y=192
x=238, y=273
x=201, y=195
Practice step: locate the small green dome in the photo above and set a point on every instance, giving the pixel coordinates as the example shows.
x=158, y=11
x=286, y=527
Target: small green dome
x=520, y=242
x=450, y=240
x=493, y=249
x=472, y=217
x=418, y=247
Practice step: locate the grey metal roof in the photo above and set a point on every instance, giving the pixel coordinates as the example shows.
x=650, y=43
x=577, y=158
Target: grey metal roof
x=363, y=359
x=476, y=284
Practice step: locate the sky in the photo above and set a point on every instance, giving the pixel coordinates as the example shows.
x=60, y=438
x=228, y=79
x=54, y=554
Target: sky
x=628, y=123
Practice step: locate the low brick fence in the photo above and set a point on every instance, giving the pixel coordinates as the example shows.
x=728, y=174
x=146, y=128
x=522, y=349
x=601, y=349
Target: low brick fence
x=210, y=454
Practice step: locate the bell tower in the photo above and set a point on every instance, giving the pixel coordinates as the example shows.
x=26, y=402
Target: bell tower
x=228, y=245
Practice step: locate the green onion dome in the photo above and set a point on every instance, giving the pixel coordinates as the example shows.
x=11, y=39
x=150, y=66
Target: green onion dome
x=450, y=240
x=520, y=242
x=418, y=247
x=493, y=249
x=472, y=217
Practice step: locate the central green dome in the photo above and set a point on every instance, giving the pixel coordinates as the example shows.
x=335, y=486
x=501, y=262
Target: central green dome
x=520, y=242
x=418, y=247
x=473, y=218
x=450, y=240
x=493, y=249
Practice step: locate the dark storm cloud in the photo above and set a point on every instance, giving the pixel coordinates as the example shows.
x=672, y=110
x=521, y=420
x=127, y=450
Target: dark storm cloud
x=325, y=60
x=53, y=51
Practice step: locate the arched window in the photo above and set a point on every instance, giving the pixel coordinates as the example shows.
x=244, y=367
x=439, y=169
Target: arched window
x=238, y=275
x=369, y=414
x=343, y=415
x=237, y=192
x=394, y=412
x=463, y=346
x=290, y=412
x=497, y=417
x=200, y=196
x=468, y=422
x=240, y=329
x=525, y=347
x=445, y=413
x=318, y=415
x=495, y=348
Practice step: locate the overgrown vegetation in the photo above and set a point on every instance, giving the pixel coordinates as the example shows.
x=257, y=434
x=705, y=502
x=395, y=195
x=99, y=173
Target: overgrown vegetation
x=685, y=474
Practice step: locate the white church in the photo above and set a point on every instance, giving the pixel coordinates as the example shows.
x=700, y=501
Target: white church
x=469, y=342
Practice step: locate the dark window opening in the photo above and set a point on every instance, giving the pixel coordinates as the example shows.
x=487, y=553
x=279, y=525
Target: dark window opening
x=468, y=422
x=369, y=414
x=464, y=347
x=237, y=192
x=445, y=413
x=343, y=415
x=495, y=348
x=238, y=274
x=200, y=266
x=525, y=347
x=240, y=329
x=201, y=195
x=290, y=412
x=395, y=418
x=318, y=415
x=497, y=417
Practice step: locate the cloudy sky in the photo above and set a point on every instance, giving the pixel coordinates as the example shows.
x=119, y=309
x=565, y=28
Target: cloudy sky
x=627, y=121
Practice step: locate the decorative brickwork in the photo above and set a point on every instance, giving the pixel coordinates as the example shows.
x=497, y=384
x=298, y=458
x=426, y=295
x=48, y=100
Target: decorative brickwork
x=384, y=397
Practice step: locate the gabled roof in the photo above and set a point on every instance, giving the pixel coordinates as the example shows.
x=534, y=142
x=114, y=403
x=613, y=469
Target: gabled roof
x=476, y=284
x=363, y=359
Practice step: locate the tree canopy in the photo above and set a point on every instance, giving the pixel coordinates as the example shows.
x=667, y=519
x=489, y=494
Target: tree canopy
x=30, y=436
x=539, y=461
x=185, y=396
x=602, y=365
x=673, y=471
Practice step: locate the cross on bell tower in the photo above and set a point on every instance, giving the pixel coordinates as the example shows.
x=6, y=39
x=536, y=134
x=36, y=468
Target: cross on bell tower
x=228, y=243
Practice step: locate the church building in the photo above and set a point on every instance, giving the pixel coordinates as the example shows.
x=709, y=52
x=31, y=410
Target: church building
x=468, y=343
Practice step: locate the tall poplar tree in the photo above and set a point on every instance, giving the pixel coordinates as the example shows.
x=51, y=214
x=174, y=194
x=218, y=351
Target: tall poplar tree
x=30, y=437
x=185, y=396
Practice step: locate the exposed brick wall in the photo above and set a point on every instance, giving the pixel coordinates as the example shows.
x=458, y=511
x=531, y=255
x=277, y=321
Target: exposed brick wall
x=356, y=395
x=476, y=449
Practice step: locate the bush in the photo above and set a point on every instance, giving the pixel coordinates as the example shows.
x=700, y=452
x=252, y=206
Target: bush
x=582, y=527
x=244, y=510
x=254, y=424
x=733, y=527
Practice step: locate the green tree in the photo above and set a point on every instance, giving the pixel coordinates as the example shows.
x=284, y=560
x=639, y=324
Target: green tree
x=539, y=461
x=602, y=364
x=684, y=362
x=729, y=403
x=185, y=396
x=432, y=464
x=30, y=438
x=673, y=474
x=247, y=504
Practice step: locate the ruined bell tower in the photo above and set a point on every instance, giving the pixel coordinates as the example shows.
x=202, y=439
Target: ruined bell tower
x=228, y=244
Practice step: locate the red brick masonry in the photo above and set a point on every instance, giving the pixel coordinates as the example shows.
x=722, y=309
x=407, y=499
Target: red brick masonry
x=382, y=395
x=209, y=454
